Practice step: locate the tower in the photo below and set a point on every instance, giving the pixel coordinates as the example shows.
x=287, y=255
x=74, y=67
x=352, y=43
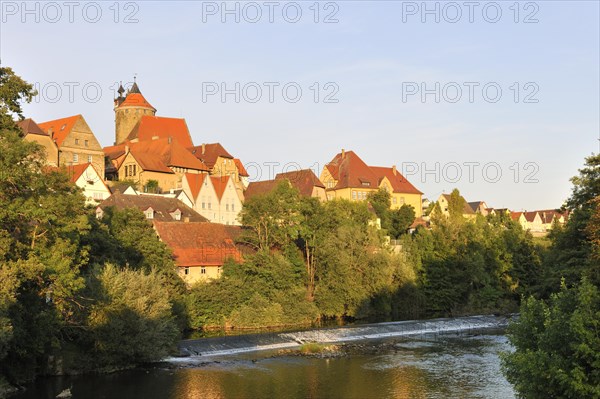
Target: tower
x=129, y=111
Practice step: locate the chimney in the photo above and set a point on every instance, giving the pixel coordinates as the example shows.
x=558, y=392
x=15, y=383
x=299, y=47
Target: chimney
x=170, y=139
x=126, y=149
x=343, y=153
x=203, y=148
x=155, y=137
x=394, y=170
x=186, y=219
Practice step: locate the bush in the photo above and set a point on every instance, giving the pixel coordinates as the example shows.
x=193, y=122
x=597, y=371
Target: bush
x=132, y=320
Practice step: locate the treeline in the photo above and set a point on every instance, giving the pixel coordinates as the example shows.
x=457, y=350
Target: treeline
x=319, y=260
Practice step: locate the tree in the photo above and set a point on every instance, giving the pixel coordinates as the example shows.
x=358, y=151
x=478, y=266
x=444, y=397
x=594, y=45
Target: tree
x=400, y=220
x=13, y=92
x=42, y=218
x=570, y=255
x=456, y=206
x=381, y=202
x=271, y=220
x=557, y=345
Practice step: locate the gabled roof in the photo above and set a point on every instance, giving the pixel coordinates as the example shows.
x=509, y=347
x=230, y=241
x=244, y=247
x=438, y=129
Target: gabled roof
x=515, y=215
x=399, y=183
x=60, y=128
x=200, y=244
x=475, y=205
x=75, y=171
x=240, y=167
x=530, y=216
x=162, y=206
x=162, y=154
x=208, y=153
x=220, y=184
x=304, y=180
x=28, y=126
x=195, y=181
x=257, y=188
x=161, y=127
x=136, y=100
x=350, y=171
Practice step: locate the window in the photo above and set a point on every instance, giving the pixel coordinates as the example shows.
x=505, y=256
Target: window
x=89, y=159
x=366, y=183
x=86, y=143
x=203, y=202
x=75, y=158
x=203, y=270
x=227, y=207
x=149, y=213
x=186, y=270
x=402, y=200
x=209, y=205
x=98, y=196
x=394, y=200
x=232, y=208
x=354, y=195
x=76, y=141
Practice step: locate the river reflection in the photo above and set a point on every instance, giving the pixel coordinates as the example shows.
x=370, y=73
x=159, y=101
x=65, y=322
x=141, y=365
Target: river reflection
x=446, y=367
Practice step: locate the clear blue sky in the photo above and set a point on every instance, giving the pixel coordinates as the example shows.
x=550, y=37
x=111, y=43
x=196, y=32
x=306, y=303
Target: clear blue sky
x=376, y=55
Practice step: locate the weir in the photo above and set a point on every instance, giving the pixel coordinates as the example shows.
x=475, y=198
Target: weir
x=199, y=349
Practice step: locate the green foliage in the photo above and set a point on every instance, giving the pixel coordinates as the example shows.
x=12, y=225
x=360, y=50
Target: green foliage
x=13, y=92
x=152, y=187
x=131, y=319
x=400, y=220
x=557, y=345
x=272, y=219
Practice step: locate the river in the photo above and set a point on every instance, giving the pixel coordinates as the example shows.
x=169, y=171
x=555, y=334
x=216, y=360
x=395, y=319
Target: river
x=428, y=363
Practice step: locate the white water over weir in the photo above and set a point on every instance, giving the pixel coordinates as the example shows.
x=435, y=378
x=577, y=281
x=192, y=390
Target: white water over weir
x=229, y=345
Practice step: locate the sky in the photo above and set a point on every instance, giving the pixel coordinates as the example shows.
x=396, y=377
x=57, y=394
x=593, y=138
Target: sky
x=499, y=99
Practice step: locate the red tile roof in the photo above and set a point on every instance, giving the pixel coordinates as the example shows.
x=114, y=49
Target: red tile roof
x=399, y=183
x=208, y=153
x=515, y=215
x=240, y=167
x=136, y=100
x=350, y=171
x=304, y=180
x=195, y=181
x=75, y=171
x=160, y=155
x=30, y=127
x=200, y=244
x=60, y=128
x=257, y=188
x=219, y=183
x=158, y=126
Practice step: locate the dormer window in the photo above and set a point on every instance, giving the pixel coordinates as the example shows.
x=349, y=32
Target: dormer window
x=99, y=213
x=176, y=215
x=149, y=213
x=366, y=183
